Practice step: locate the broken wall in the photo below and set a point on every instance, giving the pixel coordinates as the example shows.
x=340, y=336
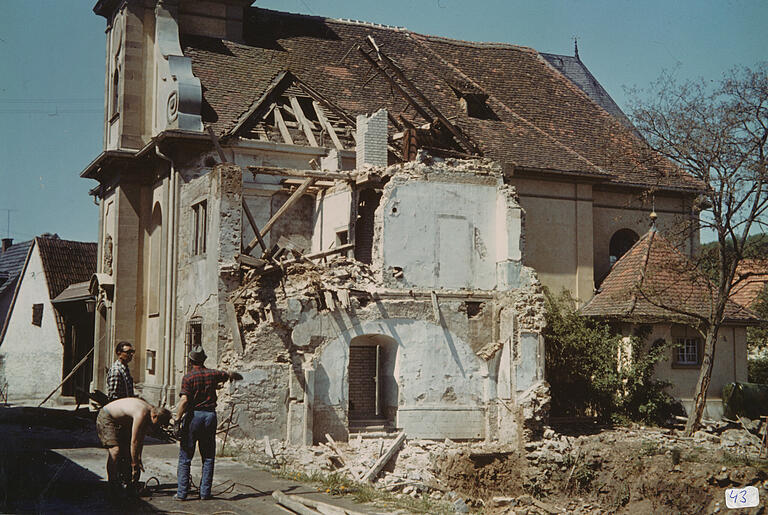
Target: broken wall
x=206, y=278
x=455, y=359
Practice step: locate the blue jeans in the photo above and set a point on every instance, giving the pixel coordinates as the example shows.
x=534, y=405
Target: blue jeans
x=201, y=431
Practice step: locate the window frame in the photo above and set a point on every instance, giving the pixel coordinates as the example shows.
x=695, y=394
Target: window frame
x=199, y=227
x=37, y=314
x=684, y=347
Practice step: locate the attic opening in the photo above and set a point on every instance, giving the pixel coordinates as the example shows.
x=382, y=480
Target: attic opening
x=368, y=201
x=473, y=102
x=621, y=241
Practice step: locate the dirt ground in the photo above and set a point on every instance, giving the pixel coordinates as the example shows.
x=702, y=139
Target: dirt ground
x=594, y=470
x=621, y=470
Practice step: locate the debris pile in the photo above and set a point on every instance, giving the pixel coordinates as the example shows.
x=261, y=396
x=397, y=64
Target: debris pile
x=624, y=470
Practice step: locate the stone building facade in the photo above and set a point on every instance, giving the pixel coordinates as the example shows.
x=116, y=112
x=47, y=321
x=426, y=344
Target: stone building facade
x=416, y=154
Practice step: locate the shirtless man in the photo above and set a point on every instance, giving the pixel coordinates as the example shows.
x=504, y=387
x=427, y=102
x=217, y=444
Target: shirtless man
x=122, y=425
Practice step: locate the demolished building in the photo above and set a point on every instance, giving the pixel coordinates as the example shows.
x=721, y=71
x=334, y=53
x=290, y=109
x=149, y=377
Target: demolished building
x=238, y=139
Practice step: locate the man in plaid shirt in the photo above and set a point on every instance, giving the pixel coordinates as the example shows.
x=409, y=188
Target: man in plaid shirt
x=119, y=380
x=198, y=403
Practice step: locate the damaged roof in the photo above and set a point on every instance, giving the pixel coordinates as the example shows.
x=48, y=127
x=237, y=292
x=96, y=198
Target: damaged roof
x=533, y=117
x=654, y=281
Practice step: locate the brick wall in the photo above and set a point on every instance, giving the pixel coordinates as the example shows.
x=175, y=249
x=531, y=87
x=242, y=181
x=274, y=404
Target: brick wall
x=372, y=139
x=362, y=384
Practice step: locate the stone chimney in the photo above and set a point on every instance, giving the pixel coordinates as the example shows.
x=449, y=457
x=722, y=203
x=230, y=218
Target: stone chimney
x=7, y=242
x=372, y=139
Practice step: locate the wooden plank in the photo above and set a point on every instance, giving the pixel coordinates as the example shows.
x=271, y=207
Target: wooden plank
x=77, y=367
x=289, y=172
x=317, y=255
x=283, y=128
x=216, y=145
x=326, y=508
x=328, y=127
x=371, y=474
x=256, y=106
x=342, y=456
x=306, y=125
x=255, y=228
x=296, y=506
x=435, y=306
x=244, y=259
x=288, y=203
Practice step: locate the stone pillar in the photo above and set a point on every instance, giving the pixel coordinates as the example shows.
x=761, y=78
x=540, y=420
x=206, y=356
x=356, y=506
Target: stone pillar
x=372, y=139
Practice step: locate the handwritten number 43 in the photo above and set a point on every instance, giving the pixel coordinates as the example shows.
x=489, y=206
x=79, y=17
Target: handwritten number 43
x=738, y=495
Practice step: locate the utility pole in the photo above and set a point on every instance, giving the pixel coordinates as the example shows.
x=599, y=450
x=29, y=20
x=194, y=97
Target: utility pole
x=8, y=227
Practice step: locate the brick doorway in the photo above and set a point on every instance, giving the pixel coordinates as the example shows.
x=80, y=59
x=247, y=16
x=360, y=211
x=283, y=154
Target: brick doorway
x=372, y=385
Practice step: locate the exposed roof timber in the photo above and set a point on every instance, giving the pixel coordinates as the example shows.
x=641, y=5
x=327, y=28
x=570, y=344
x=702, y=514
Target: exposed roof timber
x=284, y=132
x=389, y=64
x=327, y=125
x=267, y=103
x=305, y=124
x=269, y=93
x=287, y=172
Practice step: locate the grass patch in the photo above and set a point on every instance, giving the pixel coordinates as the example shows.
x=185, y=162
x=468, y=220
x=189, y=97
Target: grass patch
x=650, y=448
x=336, y=484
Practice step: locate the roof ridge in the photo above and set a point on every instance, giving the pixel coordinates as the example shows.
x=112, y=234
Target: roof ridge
x=400, y=28
x=506, y=107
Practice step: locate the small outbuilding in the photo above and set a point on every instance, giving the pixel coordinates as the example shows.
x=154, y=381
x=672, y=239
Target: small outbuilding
x=655, y=285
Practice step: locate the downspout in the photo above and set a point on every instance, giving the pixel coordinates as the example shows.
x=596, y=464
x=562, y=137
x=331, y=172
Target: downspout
x=169, y=276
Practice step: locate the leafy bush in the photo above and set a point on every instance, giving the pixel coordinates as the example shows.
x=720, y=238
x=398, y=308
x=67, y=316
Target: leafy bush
x=757, y=370
x=584, y=373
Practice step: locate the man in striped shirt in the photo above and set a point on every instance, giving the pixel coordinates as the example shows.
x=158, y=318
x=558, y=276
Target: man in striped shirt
x=119, y=380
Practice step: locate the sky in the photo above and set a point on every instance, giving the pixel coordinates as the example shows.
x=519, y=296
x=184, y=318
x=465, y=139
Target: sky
x=52, y=73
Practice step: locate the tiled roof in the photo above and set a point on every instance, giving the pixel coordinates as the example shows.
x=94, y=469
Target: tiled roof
x=654, y=281
x=11, y=263
x=65, y=262
x=748, y=289
x=579, y=74
x=541, y=121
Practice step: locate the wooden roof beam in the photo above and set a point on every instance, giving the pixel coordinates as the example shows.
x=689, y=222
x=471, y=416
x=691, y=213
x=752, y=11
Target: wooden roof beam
x=288, y=172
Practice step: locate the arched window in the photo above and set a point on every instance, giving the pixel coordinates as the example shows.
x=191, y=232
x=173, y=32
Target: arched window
x=621, y=242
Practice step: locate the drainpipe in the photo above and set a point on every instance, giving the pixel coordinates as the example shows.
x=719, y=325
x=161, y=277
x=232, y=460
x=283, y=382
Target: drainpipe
x=170, y=275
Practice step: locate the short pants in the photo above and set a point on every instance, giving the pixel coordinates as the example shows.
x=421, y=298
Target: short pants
x=110, y=432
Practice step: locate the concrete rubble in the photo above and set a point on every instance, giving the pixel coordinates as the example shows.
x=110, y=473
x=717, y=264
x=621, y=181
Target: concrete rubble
x=471, y=475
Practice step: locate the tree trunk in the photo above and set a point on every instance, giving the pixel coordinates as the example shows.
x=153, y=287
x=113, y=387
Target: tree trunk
x=702, y=385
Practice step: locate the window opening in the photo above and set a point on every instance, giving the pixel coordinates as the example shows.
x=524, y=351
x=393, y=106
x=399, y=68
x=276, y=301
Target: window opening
x=621, y=242
x=37, y=314
x=687, y=351
x=194, y=338
x=368, y=201
x=200, y=211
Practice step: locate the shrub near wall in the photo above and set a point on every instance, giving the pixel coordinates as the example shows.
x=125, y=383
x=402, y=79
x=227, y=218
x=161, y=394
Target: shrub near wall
x=583, y=372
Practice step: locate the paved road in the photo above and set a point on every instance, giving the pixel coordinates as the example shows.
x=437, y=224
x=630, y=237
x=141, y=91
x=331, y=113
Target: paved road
x=51, y=462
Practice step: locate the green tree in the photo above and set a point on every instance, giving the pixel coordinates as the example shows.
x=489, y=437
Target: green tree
x=584, y=373
x=718, y=133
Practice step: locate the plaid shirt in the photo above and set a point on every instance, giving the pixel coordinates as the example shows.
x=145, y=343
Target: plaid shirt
x=119, y=382
x=199, y=386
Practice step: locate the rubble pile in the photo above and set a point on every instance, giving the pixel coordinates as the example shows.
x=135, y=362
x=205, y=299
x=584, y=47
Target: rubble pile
x=618, y=470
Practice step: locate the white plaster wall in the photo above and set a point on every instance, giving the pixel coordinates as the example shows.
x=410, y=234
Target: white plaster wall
x=31, y=355
x=441, y=234
x=331, y=215
x=437, y=376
